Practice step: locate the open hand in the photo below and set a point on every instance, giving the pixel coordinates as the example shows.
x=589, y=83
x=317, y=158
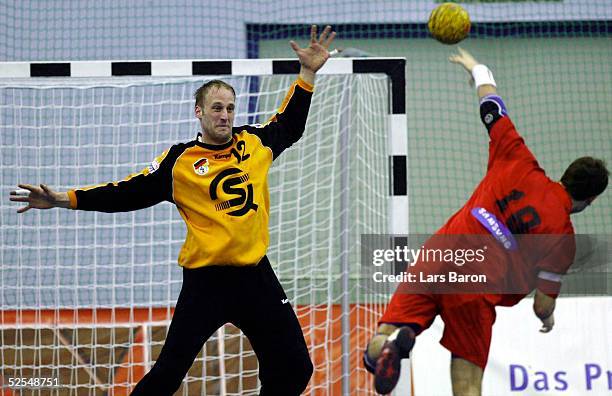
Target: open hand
x=38, y=197
x=313, y=57
x=464, y=59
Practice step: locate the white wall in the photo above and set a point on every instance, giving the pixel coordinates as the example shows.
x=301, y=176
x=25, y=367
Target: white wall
x=575, y=358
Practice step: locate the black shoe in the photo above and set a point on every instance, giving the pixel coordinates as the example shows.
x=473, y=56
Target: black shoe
x=388, y=364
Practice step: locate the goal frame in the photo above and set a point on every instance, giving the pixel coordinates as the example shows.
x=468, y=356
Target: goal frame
x=397, y=148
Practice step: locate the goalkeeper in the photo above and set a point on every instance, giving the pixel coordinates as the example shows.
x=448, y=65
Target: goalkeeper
x=516, y=190
x=219, y=184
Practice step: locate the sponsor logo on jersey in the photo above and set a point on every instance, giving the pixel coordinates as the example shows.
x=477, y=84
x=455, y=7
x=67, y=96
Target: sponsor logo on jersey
x=495, y=228
x=231, y=181
x=223, y=156
x=200, y=167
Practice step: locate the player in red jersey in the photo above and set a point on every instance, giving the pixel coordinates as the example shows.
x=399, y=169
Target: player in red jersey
x=514, y=198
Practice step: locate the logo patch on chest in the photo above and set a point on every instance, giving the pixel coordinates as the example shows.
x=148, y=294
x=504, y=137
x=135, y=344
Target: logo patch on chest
x=200, y=167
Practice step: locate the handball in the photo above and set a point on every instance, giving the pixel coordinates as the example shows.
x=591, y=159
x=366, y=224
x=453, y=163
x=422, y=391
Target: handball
x=449, y=23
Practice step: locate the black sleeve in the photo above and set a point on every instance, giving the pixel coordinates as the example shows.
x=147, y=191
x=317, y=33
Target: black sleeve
x=149, y=187
x=287, y=126
x=492, y=109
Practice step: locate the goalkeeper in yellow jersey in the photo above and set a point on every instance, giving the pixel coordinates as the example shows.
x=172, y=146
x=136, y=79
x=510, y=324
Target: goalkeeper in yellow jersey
x=218, y=183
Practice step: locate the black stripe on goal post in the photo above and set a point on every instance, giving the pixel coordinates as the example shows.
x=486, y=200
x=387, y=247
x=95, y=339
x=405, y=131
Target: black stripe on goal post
x=395, y=69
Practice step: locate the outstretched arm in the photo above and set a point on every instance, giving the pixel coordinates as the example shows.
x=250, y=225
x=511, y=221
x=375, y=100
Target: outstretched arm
x=492, y=107
x=140, y=190
x=313, y=57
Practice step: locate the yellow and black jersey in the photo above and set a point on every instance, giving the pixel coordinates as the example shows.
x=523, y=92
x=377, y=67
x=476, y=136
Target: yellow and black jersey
x=221, y=191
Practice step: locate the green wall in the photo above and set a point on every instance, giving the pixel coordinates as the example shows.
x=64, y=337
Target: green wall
x=558, y=92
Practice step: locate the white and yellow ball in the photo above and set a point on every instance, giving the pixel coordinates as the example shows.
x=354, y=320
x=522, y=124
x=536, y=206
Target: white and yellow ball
x=449, y=23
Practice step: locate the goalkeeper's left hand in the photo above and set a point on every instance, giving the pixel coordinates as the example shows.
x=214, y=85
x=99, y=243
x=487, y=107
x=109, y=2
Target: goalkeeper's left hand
x=547, y=323
x=313, y=57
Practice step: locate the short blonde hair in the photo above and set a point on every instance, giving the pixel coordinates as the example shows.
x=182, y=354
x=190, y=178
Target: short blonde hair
x=200, y=93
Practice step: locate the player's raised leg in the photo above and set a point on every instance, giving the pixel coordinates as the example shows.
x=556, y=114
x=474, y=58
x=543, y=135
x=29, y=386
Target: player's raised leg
x=388, y=365
x=405, y=317
x=375, y=346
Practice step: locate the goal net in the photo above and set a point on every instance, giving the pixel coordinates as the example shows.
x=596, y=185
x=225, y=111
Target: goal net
x=86, y=298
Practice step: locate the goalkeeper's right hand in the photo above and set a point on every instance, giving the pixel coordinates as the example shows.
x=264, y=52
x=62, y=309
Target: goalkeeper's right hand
x=37, y=197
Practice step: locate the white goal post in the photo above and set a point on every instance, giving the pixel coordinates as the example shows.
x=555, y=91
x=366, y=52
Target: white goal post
x=86, y=298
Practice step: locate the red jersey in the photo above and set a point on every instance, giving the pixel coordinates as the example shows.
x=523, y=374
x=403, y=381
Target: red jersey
x=533, y=208
x=517, y=191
